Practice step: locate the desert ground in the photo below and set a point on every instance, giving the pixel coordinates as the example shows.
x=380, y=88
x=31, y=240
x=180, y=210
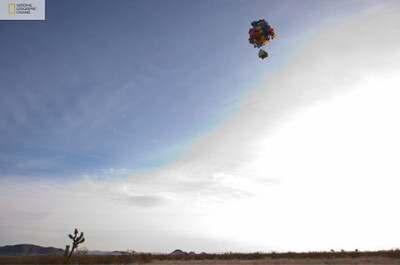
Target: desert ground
x=183, y=258
x=372, y=261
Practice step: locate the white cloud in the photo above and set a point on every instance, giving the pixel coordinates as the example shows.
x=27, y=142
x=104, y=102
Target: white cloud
x=307, y=162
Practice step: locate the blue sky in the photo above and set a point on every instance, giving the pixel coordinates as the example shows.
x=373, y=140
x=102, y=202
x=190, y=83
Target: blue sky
x=160, y=121
x=130, y=84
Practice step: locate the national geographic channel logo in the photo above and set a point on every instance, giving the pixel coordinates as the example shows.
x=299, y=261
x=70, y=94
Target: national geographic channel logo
x=22, y=9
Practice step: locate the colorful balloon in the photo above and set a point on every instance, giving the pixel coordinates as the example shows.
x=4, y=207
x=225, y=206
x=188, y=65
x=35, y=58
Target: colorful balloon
x=260, y=34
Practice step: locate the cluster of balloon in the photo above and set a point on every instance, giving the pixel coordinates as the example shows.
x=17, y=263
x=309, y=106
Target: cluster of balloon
x=260, y=34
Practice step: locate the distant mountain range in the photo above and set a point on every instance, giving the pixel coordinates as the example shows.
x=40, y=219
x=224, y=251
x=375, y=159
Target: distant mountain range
x=28, y=249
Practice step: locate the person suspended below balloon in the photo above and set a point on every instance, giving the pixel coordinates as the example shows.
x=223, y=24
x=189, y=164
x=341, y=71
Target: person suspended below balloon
x=260, y=34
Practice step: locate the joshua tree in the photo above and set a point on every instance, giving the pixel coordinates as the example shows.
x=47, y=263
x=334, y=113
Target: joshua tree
x=76, y=240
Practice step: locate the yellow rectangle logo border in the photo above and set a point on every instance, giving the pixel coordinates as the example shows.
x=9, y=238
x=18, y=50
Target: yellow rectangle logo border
x=15, y=9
